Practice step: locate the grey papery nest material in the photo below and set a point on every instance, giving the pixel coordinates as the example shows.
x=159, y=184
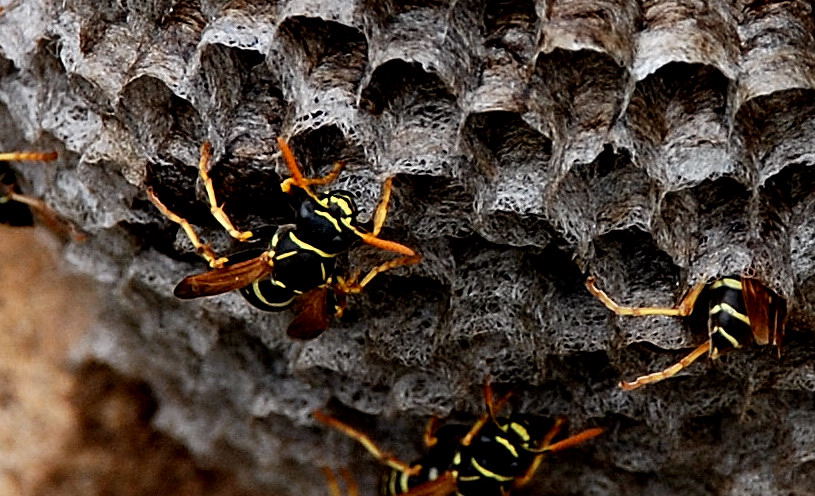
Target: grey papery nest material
x=653, y=144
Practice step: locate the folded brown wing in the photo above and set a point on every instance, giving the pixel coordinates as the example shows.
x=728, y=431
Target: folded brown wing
x=767, y=312
x=311, y=314
x=225, y=279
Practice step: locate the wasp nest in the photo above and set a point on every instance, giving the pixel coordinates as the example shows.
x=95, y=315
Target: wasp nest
x=653, y=144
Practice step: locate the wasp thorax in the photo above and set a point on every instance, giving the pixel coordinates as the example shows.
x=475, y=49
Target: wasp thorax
x=330, y=221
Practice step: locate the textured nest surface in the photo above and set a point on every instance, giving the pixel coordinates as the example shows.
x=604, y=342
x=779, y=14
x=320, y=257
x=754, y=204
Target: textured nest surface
x=654, y=144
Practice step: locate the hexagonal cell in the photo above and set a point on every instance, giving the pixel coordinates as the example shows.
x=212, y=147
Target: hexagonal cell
x=576, y=97
x=678, y=120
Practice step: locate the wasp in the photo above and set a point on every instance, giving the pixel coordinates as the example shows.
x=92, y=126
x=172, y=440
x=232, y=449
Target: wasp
x=739, y=311
x=17, y=209
x=297, y=268
x=490, y=458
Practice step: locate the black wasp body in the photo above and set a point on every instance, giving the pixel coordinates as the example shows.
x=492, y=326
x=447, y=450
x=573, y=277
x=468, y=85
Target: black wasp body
x=490, y=458
x=304, y=253
x=737, y=311
x=297, y=268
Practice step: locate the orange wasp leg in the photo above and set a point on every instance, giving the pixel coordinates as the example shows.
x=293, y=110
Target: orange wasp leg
x=548, y=446
x=429, y=436
x=334, y=485
x=217, y=210
x=683, y=309
x=670, y=371
x=201, y=248
x=298, y=179
x=493, y=407
x=367, y=443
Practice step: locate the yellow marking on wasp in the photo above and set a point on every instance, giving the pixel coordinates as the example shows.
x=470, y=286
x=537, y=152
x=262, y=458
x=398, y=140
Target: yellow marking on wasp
x=469, y=478
x=330, y=218
x=489, y=473
x=302, y=244
x=520, y=430
x=457, y=458
x=727, y=336
x=724, y=307
x=256, y=290
x=727, y=282
x=403, y=482
x=285, y=255
x=342, y=203
x=506, y=444
x=322, y=270
x=278, y=283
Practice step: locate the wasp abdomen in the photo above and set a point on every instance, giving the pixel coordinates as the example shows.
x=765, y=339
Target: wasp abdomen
x=728, y=321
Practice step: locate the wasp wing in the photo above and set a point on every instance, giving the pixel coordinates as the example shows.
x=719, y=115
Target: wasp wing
x=311, y=314
x=443, y=485
x=766, y=310
x=225, y=279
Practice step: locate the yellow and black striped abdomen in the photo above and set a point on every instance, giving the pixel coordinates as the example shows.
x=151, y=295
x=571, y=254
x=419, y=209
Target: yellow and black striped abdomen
x=728, y=322
x=298, y=268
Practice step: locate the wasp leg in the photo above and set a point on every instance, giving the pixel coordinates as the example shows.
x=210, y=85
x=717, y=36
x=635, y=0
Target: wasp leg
x=429, y=437
x=297, y=178
x=48, y=215
x=367, y=443
x=381, y=212
x=351, y=286
x=683, y=309
x=547, y=446
x=334, y=485
x=331, y=480
x=493, y=407
x=217, y=210
x=670, y=371
x=28, y=156
x=201, y=248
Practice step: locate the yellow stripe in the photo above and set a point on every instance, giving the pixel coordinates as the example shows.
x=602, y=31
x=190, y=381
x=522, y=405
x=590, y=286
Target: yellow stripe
x=322, y=270
x=285, y=255
x=259, y=295
x=342, y=203
x=727, y=282
x=469, y=478
x=507, y=445
x=457, y=458
x=403, y=482
x=724, y=307
x=487, y=473
x=302, y=244
x=520, y=430
x=329, y=218
x=727, y=336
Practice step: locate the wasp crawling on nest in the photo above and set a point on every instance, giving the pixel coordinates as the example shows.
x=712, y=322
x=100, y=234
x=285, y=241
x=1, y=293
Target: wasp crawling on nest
x=297, y=268
x=490, y=458
x=740, y=311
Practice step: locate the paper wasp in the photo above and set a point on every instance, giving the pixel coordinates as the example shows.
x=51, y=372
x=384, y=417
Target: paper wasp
x=738, y=311
x=17, y=209
x=490, y=458
x=297, y=268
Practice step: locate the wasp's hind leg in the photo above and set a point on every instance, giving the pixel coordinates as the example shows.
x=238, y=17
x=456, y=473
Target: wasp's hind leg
x=669, y=372
x=683, y=309
x=201, y=248
x=217, y=210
